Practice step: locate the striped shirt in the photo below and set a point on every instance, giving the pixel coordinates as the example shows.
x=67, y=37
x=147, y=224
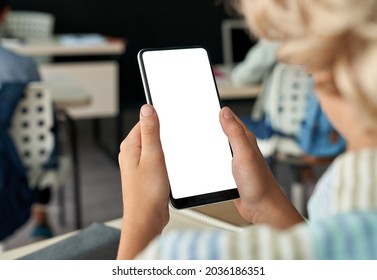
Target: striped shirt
x=342, y=225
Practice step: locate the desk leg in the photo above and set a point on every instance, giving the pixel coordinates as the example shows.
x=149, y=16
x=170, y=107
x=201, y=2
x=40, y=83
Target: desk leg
x=118, y=122
x=76, y=170
x=119, y=131
x=97, y=131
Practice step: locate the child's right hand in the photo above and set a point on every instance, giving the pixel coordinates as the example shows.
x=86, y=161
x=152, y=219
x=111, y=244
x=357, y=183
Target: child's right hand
x=261, y=199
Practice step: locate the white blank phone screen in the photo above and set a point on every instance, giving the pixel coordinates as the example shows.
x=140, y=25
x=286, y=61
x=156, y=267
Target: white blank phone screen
x=183, y=92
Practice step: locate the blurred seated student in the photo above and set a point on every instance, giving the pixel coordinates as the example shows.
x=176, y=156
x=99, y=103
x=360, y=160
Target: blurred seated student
x=277, y=116
x=281, y=105
x=17, y=68
x=336, y=42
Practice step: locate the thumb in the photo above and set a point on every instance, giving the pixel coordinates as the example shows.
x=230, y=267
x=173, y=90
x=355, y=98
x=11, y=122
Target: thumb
x=150, y=131
x=239, y=137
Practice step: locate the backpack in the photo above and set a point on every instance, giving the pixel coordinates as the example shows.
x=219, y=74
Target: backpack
x=16, y=197
x=317, y=136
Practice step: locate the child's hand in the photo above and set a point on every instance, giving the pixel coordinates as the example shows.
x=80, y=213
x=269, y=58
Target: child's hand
x=261, y=199
x=145, y=185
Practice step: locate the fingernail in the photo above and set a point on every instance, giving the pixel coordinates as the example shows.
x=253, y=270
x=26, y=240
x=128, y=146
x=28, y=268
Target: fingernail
x=227, y=113
x=146, y=111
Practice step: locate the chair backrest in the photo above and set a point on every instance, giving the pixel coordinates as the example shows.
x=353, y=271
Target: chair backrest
x=31, y=130
x=29, y=25
x=288, y=98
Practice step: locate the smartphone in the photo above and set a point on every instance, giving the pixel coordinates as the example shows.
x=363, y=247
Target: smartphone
x=180, y=84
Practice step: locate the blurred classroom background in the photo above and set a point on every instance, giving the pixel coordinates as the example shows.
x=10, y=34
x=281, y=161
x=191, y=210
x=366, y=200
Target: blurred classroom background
x=92, y=55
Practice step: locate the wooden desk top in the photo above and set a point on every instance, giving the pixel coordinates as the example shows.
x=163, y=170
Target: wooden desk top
x=229, y=91
x=53, y=47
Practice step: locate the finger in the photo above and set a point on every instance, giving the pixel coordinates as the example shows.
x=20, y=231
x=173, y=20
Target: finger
x=249, y=134
x=130, y=148
x=236, y=132
x=233, y=122
x=150, y=131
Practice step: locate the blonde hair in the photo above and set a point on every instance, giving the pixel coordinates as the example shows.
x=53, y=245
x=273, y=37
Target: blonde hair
x=338, y=36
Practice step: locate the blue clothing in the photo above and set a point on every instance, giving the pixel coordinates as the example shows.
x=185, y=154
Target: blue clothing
x=17, y=68
x=15, y=195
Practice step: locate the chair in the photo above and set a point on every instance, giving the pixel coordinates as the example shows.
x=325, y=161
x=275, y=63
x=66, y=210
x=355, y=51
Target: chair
x=31, y=129
x=29, y=25
x=35, y=137
x=28, y=148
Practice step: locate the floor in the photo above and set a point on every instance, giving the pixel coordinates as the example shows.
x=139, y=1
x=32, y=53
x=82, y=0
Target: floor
x=101, y=190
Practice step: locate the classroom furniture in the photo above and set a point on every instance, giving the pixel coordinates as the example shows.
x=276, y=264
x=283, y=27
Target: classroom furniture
x=27, y=25
x=228, y=91
x=36, y=137
x=30, y=25
x=66, y=94
x=32, y=131
x=103, y=92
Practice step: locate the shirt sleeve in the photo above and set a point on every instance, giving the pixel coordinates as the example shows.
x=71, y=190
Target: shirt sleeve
x=343, y=236
x=32, y=71
x=257, y=63
x=346, y=236
x=255, y=242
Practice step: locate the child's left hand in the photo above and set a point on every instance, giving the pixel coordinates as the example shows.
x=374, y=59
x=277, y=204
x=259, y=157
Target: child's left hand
x=145, y=185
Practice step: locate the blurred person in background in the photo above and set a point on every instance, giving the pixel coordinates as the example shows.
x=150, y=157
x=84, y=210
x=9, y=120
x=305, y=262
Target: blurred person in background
x=17, y=68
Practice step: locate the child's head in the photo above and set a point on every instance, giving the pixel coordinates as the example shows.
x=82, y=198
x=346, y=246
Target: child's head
x=336, y=40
